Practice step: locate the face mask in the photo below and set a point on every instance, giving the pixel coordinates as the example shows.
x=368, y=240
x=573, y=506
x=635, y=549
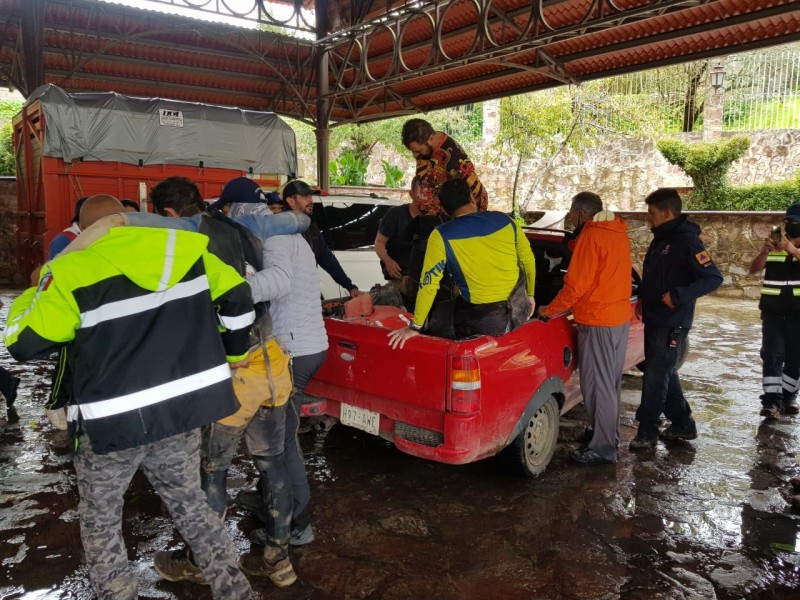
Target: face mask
x=792, y=230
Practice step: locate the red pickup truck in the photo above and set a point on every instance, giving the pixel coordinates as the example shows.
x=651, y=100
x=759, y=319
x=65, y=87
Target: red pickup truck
x=458, y=401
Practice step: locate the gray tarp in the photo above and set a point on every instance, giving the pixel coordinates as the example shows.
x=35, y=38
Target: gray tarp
x=117, y=128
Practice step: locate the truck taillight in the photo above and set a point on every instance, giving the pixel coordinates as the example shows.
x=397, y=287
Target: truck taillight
x=465, y=385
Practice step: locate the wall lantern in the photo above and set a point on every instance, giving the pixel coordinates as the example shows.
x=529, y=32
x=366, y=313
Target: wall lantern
x=717, y=76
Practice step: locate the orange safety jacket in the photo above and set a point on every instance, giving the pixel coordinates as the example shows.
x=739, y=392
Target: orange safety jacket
x=597, y=286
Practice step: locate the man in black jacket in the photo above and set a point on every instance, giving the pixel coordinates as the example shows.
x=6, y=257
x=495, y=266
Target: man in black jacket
x=298, y=196
x=677, y=271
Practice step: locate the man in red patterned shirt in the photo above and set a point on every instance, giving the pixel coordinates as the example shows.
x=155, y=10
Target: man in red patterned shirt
x=439, y=158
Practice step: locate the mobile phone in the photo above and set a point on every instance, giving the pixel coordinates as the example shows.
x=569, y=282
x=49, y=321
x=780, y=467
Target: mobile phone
x=775, y=236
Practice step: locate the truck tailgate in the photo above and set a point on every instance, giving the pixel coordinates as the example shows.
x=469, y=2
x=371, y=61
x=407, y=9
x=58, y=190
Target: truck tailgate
x=362, y=369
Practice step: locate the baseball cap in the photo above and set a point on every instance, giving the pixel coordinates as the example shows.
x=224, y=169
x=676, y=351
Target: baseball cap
x=793, y=213
x=241, y=189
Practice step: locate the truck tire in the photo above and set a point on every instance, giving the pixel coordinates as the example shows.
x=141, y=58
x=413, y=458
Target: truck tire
x=534, y=446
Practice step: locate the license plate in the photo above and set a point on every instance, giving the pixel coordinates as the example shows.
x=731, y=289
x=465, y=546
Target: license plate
x=360, y=418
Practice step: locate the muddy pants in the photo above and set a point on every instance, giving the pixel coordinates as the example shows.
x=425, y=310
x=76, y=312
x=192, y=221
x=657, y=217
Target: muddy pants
x=303, y=368
x=173, y=467
x=601, y=359
x=264, y=434
x=780, y=356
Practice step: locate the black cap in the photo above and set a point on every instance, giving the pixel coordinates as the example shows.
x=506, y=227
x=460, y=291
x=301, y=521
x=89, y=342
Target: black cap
x=793, y=213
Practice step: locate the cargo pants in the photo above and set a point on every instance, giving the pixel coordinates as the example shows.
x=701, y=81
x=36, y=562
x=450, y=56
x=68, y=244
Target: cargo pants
x=172, y=466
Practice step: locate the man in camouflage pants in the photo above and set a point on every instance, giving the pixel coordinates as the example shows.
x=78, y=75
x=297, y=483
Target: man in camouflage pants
x=154, y=324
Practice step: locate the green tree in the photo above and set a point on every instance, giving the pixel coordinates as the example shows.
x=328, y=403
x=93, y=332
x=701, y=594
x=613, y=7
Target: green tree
x=7, y=164
x=707, y=164
x=543, y=125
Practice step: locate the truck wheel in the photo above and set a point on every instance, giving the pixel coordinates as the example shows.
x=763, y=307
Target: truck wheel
x=535, y=445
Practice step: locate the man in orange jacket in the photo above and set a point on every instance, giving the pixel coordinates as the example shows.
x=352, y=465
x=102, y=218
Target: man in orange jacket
x=597, y=287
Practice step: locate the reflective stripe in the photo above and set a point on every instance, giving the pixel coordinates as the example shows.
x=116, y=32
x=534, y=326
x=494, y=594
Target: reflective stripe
x=768, y=380
x=154, y=395
x=240, y=322
x=770, y=291
x=132, y=306
x=773, y=389
x=773, y=282
x=169, y=259
x=795, y=291
x=789, y=380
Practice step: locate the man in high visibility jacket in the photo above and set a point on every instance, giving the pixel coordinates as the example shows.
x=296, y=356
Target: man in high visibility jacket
x=597, y=287
x=780, y=316
x=155, y=323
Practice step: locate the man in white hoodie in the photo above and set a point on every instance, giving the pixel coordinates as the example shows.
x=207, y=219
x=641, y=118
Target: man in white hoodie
x=290, y=282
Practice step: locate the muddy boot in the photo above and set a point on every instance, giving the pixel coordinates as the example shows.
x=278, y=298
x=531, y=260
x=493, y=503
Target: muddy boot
x=178, y=566
x=273, y=563
x=57, y=418
x=790, y=406
x=688, y=431
x=644, y=441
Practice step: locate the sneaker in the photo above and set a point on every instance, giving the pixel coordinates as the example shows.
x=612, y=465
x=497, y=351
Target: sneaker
x=177, y=566
x=57, y=418
x=790, y=408
x=281, y=573
x=643, y=442
x=251, y=501
x=586, y=456
x=770, y=412
x=680, y=432
x=302, y=538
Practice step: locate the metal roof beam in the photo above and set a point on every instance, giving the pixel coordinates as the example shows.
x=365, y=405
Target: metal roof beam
x=438, y=60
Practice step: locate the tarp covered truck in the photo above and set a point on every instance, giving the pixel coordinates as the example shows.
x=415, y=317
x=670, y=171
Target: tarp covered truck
x=73, y=145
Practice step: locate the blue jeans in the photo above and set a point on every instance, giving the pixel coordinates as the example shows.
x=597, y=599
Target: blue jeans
x=661, y=388
x=264, y=435
x=303, y=368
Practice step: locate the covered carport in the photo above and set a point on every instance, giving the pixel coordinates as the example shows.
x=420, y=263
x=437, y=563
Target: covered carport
x=350, y=62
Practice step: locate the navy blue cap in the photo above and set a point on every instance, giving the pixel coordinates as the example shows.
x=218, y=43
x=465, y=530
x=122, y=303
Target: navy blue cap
x=793, y=213
x=241, y=189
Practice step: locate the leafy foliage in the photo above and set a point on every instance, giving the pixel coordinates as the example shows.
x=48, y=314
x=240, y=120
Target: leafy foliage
x=9, y=109
x=393, y=176
x=768, y=196
x=349, y=169
x=707, y=164
x=541, y=126
x=7, y=164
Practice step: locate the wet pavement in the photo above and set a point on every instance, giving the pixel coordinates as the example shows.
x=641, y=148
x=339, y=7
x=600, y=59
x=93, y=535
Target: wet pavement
x=706, y=519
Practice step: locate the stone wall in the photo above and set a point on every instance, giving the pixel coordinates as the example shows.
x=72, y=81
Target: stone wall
x=622, y=170
x=733, y=238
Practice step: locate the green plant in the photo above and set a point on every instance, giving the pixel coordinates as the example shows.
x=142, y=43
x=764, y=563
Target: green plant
x=707, y=164
x=7, y=164
x=767, y=196
x=349, y=169
x=392, y=175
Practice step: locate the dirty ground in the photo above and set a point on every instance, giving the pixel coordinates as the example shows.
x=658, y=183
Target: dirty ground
x=707, y=519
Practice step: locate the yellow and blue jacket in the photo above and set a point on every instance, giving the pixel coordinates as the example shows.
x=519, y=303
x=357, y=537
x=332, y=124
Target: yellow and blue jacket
x=484, y=252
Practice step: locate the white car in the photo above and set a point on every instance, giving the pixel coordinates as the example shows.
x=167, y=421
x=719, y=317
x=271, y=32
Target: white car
x=350, y=224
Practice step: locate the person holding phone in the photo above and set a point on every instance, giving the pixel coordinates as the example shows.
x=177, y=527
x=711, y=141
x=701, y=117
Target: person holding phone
x=779, y=258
